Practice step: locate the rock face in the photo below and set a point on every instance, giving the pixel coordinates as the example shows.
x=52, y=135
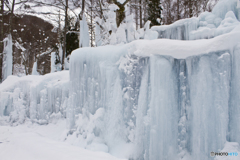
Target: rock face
x=33, y=38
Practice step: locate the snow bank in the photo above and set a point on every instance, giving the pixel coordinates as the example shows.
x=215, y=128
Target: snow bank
x=29, y=142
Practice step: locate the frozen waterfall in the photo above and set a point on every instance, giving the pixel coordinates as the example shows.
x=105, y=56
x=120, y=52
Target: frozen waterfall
x=172, y=98
x=133, y=101
x=167, y=107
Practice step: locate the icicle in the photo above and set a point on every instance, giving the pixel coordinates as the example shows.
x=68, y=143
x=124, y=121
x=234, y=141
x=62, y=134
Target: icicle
x=132, y=34
x=34, y=69
x=149, y=34
x=7, y=57
x=98, y=35
x=84, y=35
x=53, y=58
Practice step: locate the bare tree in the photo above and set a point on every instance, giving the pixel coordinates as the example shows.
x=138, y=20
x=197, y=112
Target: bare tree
x=121, y=11
x=11, y=17
x=140, y=13
x=65, y=33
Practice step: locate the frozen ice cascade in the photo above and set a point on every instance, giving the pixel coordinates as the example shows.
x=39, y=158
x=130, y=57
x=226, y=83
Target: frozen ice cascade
x=221, y=20
x=146, y=100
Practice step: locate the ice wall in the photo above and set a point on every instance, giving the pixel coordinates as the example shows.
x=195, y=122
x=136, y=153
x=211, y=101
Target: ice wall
x=179, y=30
x=149, y=99
x=222, y=20
x=38, y=98
x=167, y=99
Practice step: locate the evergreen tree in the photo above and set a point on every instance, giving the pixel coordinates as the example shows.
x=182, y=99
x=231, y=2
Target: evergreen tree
x=155, y=12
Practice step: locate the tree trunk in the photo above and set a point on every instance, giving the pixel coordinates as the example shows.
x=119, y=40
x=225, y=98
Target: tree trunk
x=120, y=16
x=178, y=10
x=11, y=17
x=1, y=39
x=65, y=34
x=92, y=34
x=136, y=13
x=59, y=31
x=140, y=12
x=145, y=11
x=190, y=8
x=83, y=7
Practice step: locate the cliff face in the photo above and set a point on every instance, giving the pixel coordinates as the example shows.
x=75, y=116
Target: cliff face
x=33, y=38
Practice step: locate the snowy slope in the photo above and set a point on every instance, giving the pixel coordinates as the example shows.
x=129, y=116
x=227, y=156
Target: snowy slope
x=34, y=142
x=47, y=10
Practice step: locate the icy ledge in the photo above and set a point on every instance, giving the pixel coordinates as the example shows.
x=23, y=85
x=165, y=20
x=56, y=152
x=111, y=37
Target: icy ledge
x=151, y=100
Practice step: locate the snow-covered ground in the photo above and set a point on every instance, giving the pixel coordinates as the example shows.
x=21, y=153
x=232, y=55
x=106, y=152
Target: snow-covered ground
x=35, y=142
